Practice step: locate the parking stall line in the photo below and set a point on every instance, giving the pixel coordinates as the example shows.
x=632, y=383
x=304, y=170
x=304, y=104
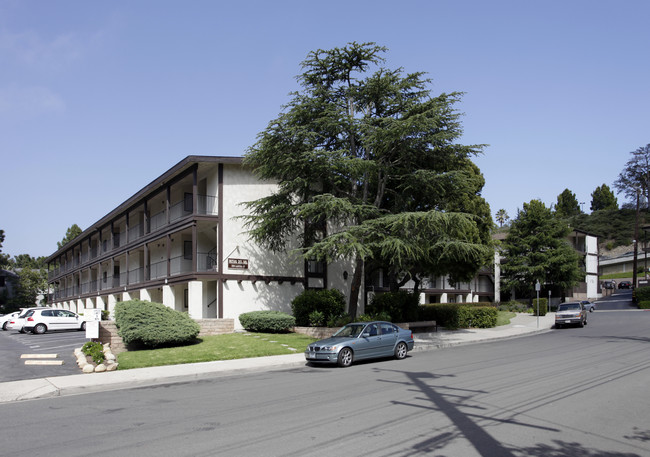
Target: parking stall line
x=43, y=362
x=39, y=356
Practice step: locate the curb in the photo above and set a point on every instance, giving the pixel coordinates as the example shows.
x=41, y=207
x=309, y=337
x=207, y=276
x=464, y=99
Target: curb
x=32, y=389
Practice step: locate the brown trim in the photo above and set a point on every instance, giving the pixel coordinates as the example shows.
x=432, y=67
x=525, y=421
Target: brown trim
x=170, y=229
x=220, y=299
x=174, y=174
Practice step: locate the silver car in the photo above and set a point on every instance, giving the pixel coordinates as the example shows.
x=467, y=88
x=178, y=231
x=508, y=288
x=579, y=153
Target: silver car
x=360, y=341
x=570, y=314
x=588, y=305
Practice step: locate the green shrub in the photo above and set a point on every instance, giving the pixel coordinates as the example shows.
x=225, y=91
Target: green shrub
x=267, y=321
x=644, y=304
x=339, y=321
x=95, y=350
x=453, y=316
x=483, y=316
x=316, y=319
x=641, y=294
x=543, y=303
x=330, y=302
x=153, y=324
x=398, y=306
x=514, y=307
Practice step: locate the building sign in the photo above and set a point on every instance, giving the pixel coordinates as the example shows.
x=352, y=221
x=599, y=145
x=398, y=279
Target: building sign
x=238, y=264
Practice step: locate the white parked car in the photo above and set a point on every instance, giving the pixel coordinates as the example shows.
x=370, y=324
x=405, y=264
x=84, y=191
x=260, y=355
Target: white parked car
x=5, y=319
x=41, y=320
x=17, y=323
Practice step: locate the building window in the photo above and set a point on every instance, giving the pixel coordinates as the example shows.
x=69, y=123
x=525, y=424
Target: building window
x=187, y=250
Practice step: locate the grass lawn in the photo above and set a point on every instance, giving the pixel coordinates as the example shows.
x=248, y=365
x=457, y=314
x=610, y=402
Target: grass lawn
x=503, y=318
x=218, y=347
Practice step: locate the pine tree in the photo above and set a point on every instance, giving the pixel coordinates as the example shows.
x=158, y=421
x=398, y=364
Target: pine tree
x=537, y=249
x=368, y=169
x=603, y=198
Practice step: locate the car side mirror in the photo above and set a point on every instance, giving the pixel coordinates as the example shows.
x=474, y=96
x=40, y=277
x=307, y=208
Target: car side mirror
x=365, y=335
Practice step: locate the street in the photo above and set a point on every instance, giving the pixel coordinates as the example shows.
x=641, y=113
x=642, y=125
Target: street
x=569, y=392
x=14, y=344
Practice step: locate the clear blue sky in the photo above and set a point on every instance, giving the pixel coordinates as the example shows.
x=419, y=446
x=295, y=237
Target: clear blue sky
x=97, y=99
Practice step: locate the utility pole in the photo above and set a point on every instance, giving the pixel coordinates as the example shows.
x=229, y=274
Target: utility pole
x=636, y=241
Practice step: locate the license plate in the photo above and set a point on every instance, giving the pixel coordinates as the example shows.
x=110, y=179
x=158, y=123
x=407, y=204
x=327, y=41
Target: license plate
x=567, y=321
x=312, y=355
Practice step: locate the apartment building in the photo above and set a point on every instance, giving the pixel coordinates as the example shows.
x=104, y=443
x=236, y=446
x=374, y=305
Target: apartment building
x=180, y=241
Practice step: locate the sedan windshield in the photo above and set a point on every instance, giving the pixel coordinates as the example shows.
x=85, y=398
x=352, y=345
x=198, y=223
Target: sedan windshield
x=572, y=307
x=350, y=331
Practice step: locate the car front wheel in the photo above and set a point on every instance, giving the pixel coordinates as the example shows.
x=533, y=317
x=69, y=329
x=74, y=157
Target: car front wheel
x=40, y=328
x=345, y=357
x=401, y=350
x=83, y=326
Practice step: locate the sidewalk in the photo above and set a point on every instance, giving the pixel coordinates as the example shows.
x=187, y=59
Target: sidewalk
x=30, y=389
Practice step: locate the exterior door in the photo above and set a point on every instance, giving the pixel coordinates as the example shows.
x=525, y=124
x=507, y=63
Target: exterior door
x=368, y=343
x=388, y=338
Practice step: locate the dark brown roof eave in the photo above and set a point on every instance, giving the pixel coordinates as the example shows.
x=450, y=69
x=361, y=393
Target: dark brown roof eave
x=153, y=185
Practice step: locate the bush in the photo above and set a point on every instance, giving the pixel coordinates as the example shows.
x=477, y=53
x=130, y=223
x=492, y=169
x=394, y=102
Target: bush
x=398, y=306
x=316, y=319
x=153, y=324
x=330, y=302
x=95, y=350
x=644, y=304
x=267, y=321
x=339, y=321
x=514, y=307
x=543, y=302
x=641, y=294
x=453, y=316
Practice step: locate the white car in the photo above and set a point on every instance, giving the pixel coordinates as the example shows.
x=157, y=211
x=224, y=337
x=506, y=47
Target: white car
x=4, y=320
x=17, y=323
x=41, y=320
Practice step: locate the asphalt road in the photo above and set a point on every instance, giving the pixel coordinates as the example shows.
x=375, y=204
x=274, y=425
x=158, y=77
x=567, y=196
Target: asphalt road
x=14, y=344
x=579, y=392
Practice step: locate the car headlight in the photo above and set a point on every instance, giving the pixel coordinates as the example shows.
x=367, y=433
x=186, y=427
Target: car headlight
x=328, y=348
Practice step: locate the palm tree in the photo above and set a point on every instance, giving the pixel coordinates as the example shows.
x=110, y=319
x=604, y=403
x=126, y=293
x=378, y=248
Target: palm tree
x=502, y=217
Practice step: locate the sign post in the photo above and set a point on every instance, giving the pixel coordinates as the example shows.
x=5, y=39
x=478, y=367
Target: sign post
x=92, y=316
x=537, y=288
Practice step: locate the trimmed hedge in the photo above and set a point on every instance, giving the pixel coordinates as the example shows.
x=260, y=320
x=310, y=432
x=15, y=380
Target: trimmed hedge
x=453, y=316
x=267, y=321
x=398, y=306
x=543, y=306
x=329, y=303
x=644, y=304
x=153, y=324
x=641, y=294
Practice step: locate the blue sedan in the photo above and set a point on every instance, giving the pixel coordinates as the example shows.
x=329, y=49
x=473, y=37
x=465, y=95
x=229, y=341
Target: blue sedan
x=360, y=341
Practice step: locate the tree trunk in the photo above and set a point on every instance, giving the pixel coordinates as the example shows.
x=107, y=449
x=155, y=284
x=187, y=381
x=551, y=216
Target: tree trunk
x=355, y=287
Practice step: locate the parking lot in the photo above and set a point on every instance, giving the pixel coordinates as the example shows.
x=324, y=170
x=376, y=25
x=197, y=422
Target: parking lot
x=29, y=356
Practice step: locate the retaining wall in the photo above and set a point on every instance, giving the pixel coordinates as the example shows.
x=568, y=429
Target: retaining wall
x=108, y=331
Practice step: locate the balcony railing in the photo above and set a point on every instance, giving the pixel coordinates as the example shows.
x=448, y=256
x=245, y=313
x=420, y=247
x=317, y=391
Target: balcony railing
x=135, y=232
x=207, y=204
x=180, y=265
x=158, y=270
x=157, y=221
x=207, y=261
x=136, y=276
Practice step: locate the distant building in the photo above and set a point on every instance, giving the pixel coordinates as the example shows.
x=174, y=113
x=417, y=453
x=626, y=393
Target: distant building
x=586, y=245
